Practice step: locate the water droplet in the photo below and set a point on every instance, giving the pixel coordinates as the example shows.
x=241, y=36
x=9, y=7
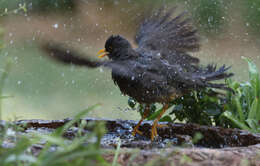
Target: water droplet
x=19, y=82
x=210, y=19
x=55, y=26
x=116, y=2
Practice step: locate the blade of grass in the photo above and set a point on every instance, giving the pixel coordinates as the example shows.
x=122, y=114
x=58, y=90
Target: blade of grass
x=239, y=109
x=252, y=123
x=62, y=157
x=117, y=152
x=155, y=114
x=253, y=110
x=52, y=139
x=258, y=111
x=253, y=76
x=74, y=120
x=236, y=121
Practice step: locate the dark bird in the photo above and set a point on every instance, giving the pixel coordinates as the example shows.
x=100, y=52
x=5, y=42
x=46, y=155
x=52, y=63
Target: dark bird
x=159, y=70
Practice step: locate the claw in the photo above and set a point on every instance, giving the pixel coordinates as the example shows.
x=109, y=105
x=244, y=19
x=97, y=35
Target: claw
x=162, y=125
x=136, y=131
x=155, y=123
x=154, y=130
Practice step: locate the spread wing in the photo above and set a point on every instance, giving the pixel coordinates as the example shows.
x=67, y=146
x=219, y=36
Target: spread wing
x=127, y=68
x=171, y=36
x=157, y=73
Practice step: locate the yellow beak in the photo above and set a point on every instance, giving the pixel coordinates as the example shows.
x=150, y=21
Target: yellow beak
x=102, y=53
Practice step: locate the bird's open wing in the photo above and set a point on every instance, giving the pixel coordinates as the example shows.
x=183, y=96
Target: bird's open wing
x=68, y=56
x=129, y=68
x=174, y=36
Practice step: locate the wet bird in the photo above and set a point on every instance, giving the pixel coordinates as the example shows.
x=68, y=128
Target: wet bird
x=159, y=70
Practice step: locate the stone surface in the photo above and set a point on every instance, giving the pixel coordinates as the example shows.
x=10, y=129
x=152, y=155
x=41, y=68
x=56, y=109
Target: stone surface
x=174, y=146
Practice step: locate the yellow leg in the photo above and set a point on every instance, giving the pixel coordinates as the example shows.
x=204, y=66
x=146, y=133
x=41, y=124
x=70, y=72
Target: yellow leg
x=155, y=123
x=146, y=113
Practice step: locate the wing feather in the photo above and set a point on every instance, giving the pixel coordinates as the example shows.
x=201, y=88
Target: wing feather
x=175, y=36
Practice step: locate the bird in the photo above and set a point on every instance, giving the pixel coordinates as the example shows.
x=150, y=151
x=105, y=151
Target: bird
x=159, y=70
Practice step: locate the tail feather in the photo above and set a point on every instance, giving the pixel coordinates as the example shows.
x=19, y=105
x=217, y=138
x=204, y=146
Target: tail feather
x=219, y=86
x=219, y=74
x=211, y=74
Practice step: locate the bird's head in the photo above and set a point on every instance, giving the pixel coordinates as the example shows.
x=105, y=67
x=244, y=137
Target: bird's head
x=116, y=47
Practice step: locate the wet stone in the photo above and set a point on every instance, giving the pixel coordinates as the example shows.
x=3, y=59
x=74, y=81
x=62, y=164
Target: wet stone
x=218, y=146
x=175, y=134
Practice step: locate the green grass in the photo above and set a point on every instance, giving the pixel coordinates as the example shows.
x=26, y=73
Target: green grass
x=243, y=108
x=78, y=151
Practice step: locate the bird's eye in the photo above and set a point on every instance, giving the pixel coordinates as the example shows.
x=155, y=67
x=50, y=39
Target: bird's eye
x=110, y=48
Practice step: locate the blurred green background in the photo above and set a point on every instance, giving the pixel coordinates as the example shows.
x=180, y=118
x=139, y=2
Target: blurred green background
x=43, y=89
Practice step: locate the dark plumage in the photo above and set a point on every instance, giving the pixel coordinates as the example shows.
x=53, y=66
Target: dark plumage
x=160, y=69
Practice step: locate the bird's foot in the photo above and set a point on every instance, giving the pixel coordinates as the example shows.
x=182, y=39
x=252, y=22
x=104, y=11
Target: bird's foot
x=136, y=131
x=162, y=125
x=154, y=130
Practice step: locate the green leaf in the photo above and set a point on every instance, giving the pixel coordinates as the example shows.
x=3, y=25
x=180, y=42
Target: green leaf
x=197, y=137
x=166, y=118
x=235, y=85
x=252, y=123
x=253, y=76
x=239, y=109
x=116, y=153
x=154, y=115
x=236, y=121
x=74, y=120
x=258, y=111
x=254, y=109
x=51, y=139
x=253, y=72
x=21, y=157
